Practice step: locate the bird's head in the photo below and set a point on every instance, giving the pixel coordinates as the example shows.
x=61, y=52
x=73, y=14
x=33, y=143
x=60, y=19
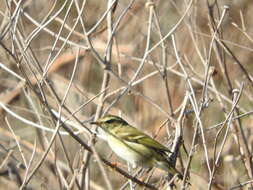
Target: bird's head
x=109, y=122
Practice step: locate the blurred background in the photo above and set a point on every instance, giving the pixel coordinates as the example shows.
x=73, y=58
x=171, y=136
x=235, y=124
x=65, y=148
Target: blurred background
x=157, y=64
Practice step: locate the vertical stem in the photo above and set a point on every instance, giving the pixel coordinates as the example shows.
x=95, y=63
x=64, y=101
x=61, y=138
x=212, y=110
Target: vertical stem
x=106, y=76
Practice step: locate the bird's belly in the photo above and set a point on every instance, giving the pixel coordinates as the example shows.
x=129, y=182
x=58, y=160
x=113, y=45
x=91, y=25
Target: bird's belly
x=130, y=152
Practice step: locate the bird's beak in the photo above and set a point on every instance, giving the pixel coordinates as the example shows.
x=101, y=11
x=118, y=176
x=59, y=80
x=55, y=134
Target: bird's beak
x=94, y=123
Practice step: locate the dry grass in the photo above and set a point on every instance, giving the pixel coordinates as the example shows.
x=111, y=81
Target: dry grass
x=161, y=65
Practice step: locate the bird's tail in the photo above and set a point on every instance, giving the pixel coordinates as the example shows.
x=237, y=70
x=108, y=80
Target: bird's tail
x=174, y=171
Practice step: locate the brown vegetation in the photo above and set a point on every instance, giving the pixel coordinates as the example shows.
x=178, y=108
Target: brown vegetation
x=161, y=65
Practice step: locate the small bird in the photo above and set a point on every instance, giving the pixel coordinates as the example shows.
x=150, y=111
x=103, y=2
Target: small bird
x=133, y=146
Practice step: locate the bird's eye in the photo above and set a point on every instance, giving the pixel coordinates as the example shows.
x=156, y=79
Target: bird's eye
x=110, y=121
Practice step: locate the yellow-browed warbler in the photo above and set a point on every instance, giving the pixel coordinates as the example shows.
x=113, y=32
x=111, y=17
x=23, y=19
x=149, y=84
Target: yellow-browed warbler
x=134, y=146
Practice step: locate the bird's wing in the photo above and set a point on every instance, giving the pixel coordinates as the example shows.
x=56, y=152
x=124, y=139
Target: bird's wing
x=131, y=134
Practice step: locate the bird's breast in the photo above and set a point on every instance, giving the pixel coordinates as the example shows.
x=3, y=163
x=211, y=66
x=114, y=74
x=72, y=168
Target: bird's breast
x=131, y=152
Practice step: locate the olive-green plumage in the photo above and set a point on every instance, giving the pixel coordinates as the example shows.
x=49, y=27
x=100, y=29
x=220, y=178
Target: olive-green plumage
x=134, y=146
